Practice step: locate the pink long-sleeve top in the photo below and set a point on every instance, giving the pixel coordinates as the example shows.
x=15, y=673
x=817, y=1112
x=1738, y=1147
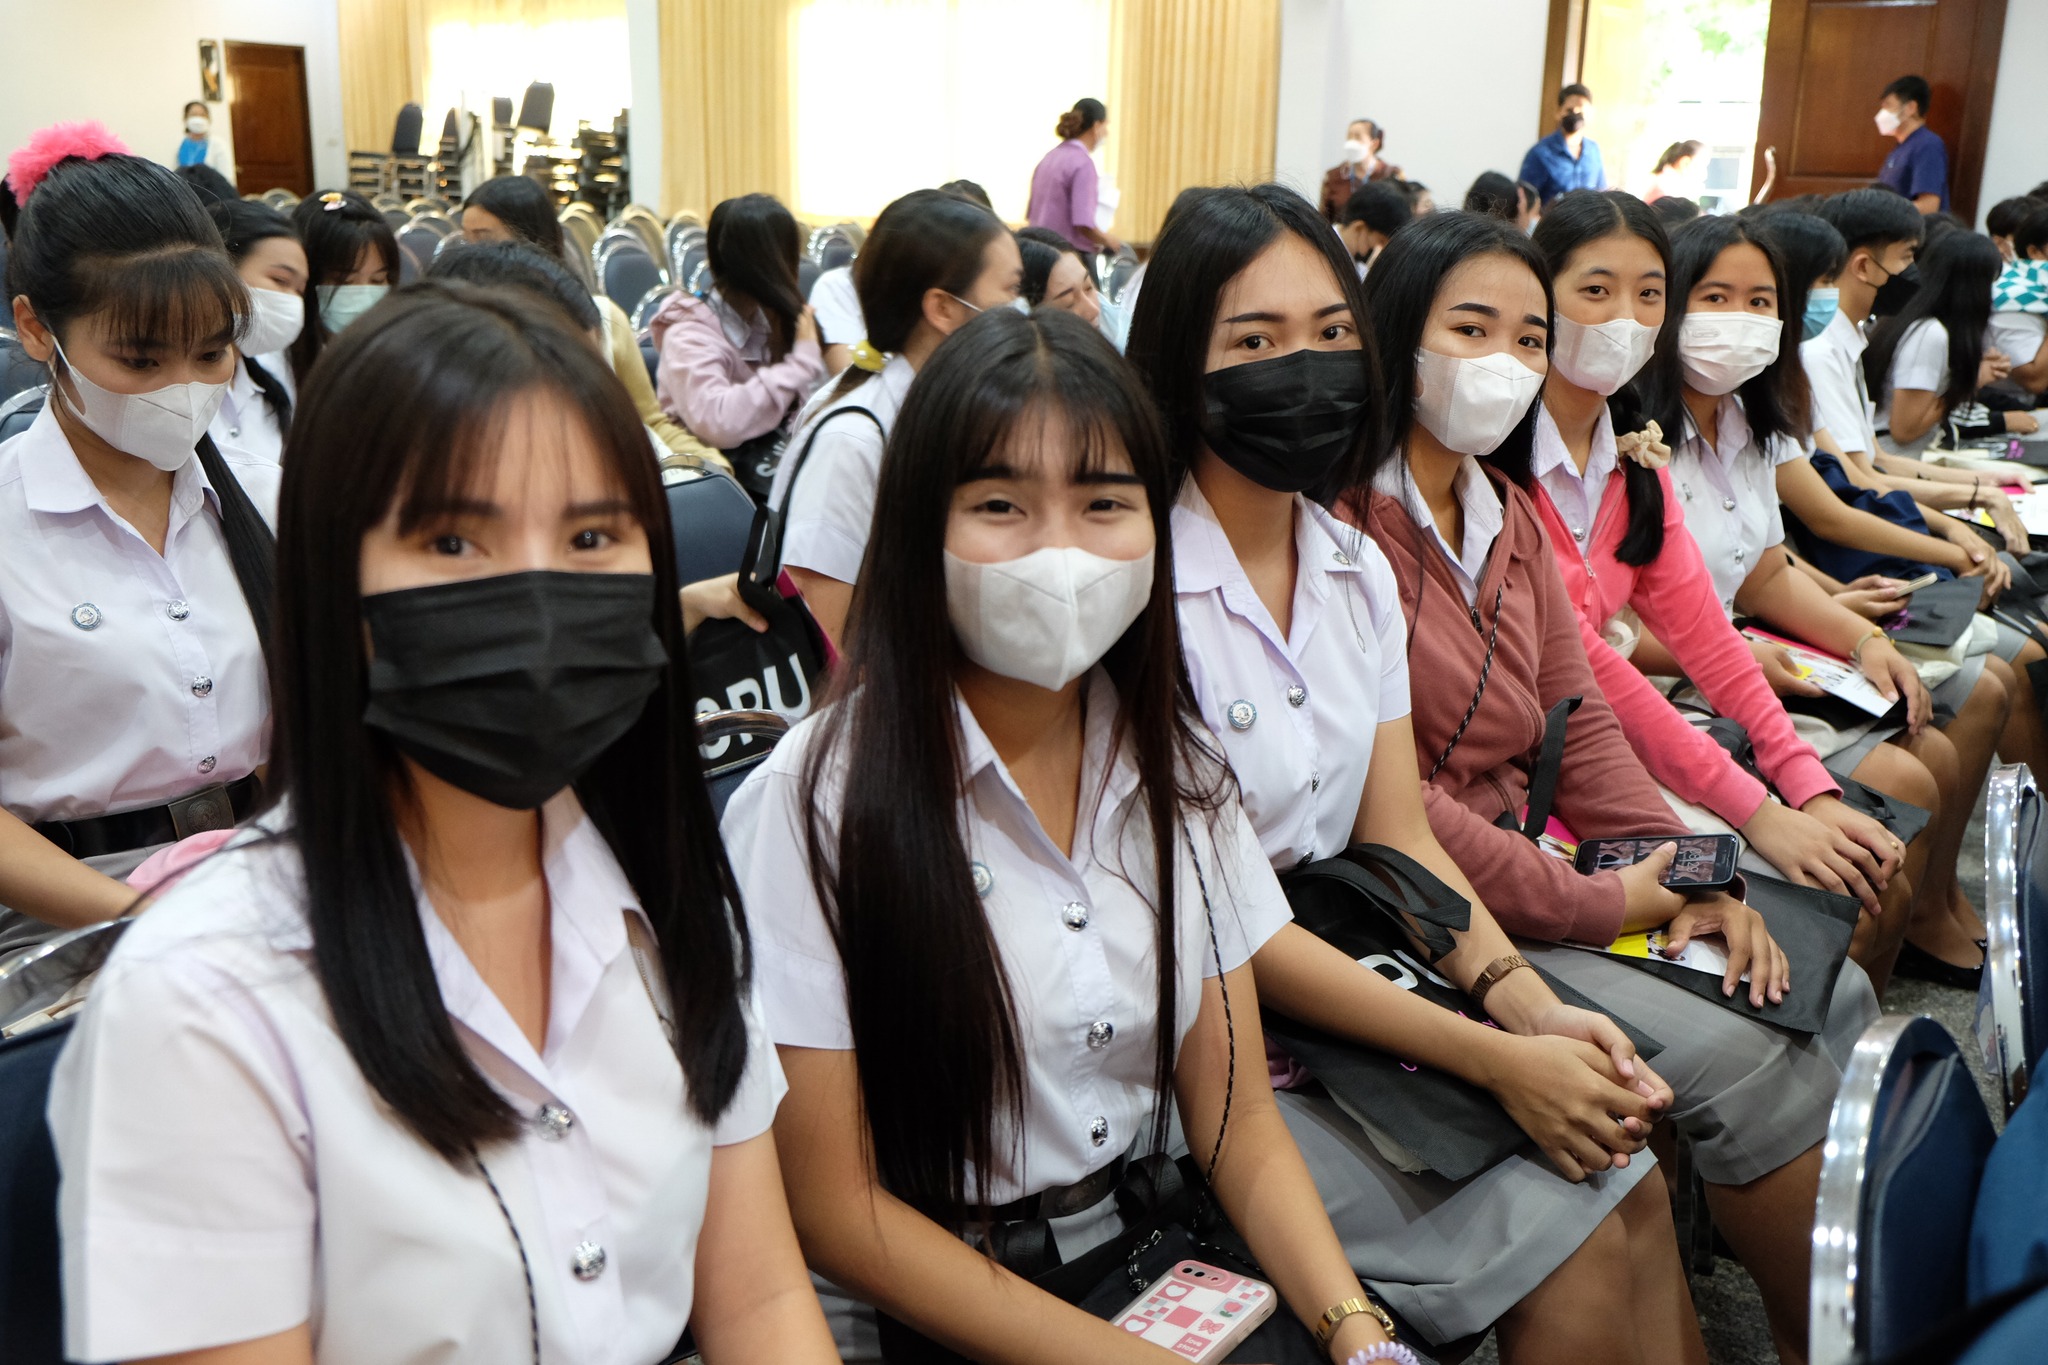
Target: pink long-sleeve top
x=714, y=375
x=1674, y=596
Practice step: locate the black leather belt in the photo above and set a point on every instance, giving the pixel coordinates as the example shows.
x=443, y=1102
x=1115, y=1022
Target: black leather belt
x=215, y=807
x=1064, y=1200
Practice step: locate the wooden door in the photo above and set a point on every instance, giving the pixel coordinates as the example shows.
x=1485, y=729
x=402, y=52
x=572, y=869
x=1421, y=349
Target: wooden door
x=1826, y=64
x=272, y=127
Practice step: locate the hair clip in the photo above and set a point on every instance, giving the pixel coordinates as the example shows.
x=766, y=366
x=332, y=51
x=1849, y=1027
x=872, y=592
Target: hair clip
x=866, y=357
x=332, y=200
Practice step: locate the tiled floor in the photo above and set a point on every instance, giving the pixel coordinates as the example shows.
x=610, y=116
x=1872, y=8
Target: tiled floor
x=1731, y=1314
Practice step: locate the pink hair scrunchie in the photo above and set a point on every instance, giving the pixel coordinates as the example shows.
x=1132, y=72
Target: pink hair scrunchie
x=48, y=146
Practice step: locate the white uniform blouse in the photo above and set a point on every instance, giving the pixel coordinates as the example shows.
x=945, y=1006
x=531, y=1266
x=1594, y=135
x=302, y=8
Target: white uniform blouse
x=228, y=1173
x=1075, y=936
x=127, y=678
x=837, y=305
x=1484, y=516
x=1728, y=491
x=1920, y=361
x=1297, y=715
x=826, y=518
x=245, y=421
x=1576, y=496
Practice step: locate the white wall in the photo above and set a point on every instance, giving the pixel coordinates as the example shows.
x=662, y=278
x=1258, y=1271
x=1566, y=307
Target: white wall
x=2016, y=154
x=132, y=63
x=1458, y=83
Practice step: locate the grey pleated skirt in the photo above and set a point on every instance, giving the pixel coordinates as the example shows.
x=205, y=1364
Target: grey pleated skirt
x=1750, y=1096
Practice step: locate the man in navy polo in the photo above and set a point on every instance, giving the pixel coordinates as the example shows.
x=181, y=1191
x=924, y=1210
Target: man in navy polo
x=1567, y=159
x=1918, y=166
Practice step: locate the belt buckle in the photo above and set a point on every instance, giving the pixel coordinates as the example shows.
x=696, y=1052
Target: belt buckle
x=207, y=809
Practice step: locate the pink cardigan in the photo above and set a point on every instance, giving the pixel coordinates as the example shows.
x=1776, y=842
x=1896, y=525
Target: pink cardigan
x=708, y=384
x=1674, y=595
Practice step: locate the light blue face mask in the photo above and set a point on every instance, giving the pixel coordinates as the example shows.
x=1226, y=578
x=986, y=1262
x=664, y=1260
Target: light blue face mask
x=1821, y=306
x=342, y=304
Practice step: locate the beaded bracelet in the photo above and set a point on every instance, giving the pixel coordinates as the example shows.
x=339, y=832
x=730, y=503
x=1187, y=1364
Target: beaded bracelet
x=1384, y=1350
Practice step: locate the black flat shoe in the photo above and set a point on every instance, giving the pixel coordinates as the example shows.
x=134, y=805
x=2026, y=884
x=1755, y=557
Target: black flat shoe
x=1925, y=966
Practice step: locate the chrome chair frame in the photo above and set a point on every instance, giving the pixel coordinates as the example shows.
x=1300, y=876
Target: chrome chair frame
x=642, y=313
x=2002, y=1015
x=36, y=978
x=613, y=242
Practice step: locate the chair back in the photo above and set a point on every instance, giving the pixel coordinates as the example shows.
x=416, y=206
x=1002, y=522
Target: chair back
x=284, y=201
x=2012, y=1013
x=31, y=1287
x=641, y=220
x=626, y=270
x=1905, y=1150
x=537, y=109
x=677, y=238
x=711, y=518
x=405, y=132
x=416, y=246
x=440, y=224
x=734, y=743
x=650, y=303
x=807, y=272
x=695, y=261
x=18, y=410
x=18, y=371
x=1119, y=277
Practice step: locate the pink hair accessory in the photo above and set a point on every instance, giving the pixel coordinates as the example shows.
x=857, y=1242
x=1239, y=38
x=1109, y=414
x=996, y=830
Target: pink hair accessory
x=48, y=146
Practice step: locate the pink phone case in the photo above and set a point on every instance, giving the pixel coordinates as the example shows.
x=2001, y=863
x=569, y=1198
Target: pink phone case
x=1198, y=1312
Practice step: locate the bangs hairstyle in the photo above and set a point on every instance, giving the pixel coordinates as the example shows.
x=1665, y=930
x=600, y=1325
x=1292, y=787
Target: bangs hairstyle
x=335, y=239
x=1773, y=400
x=122, y=240
x=2032, y=233
x=1208, y=240
x=407, y=411
x=1956, y=275
x=934, y=1025
x=1572, y=222
x=1401, y=295
x=752, y=245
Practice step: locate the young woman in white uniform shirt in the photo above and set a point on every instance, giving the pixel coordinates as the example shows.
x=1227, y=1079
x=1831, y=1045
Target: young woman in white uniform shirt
x=1297, y=652
x=452, y=1055
x=1003, y=892
x=135, y=585
x=256, y=411
x=932, y=263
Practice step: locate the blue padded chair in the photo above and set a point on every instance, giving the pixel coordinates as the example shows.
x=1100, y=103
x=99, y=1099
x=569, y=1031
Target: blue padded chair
x=692, y=262
x=2015, y=1339
x=18, y=373
x=651, y=358
x=734, y=743
x=2014, y=1028
x=18, y=411
x=626, y=272
x=641, y=315
x=416, y=246
x=1905, y=1149
x=807, y=272
x=838, y=251
x=31, y=1291
x=2009, y=1234
x=712, y=517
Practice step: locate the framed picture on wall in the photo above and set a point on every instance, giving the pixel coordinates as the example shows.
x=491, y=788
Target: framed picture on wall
x=209, y=70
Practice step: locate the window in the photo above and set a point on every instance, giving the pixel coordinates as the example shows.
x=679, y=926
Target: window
x=897, y=95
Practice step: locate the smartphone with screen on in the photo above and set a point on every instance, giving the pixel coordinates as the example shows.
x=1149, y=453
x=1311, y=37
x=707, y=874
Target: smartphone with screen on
x=1705, y=862
x=1199, y=1312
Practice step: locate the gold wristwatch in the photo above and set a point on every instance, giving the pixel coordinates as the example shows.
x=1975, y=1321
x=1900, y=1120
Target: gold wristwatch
x=1326, y=1330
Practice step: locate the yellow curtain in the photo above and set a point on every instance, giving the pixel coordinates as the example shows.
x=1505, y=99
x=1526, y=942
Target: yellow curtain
x=383, y=66
x=1193, y=100
x=725, y=101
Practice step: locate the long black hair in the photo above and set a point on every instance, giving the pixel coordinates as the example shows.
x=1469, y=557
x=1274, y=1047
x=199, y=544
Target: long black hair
x=1574, y=221
x=336, y=227
x=1041, y=249
x=935, y=1031
x=1207, y=241
x=1956, y=275
x=1773, y=400
x=520, y=203
x=1400, y=293
x=928, y=239
x=243, y=223
x=752, y=245
x=519, y=265
x=1812, y=251
x=405, y=411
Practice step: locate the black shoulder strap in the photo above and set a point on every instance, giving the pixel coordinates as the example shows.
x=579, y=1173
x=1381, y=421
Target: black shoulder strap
x=763, y=562
x=252, y=549
x=804, y=455
x=274, y=396
x=1549, y=762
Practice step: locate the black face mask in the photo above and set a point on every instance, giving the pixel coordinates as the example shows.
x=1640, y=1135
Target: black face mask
x=1286, y=423
x=1896, y=292
x=510, y=687
x=1572, y=122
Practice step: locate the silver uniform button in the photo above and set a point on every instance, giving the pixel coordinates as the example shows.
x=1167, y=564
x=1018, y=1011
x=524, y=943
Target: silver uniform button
x=202, y=686
x=178, y=611
x=1099, y=1034
x=587, y=1261
x=554, y=1122
x=1297, y=695
x=984, y=880
x=1098, y=1130
x=1727, y=504
x=1074, y=916
x=206, y=765
x=85, y=616
x=1340, y=557
x=1738, y=556
x=1241, y=714
x=1578, y=533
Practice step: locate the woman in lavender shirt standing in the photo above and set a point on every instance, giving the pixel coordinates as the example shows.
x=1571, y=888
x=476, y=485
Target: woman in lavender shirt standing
x=1063, y=187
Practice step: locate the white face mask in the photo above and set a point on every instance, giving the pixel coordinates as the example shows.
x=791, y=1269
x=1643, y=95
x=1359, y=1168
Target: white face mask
x=1721, y=352
x=1049, y=617
x=1472, y=403
x=1603, y=357
x=1355, y=152
x=197, y=126
x=342, y=304
x=161, y=426
x=275, y=321
x=1888, y=122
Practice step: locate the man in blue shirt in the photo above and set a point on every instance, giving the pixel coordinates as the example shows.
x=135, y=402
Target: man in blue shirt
x=1918, y=166
x=1567, y=159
